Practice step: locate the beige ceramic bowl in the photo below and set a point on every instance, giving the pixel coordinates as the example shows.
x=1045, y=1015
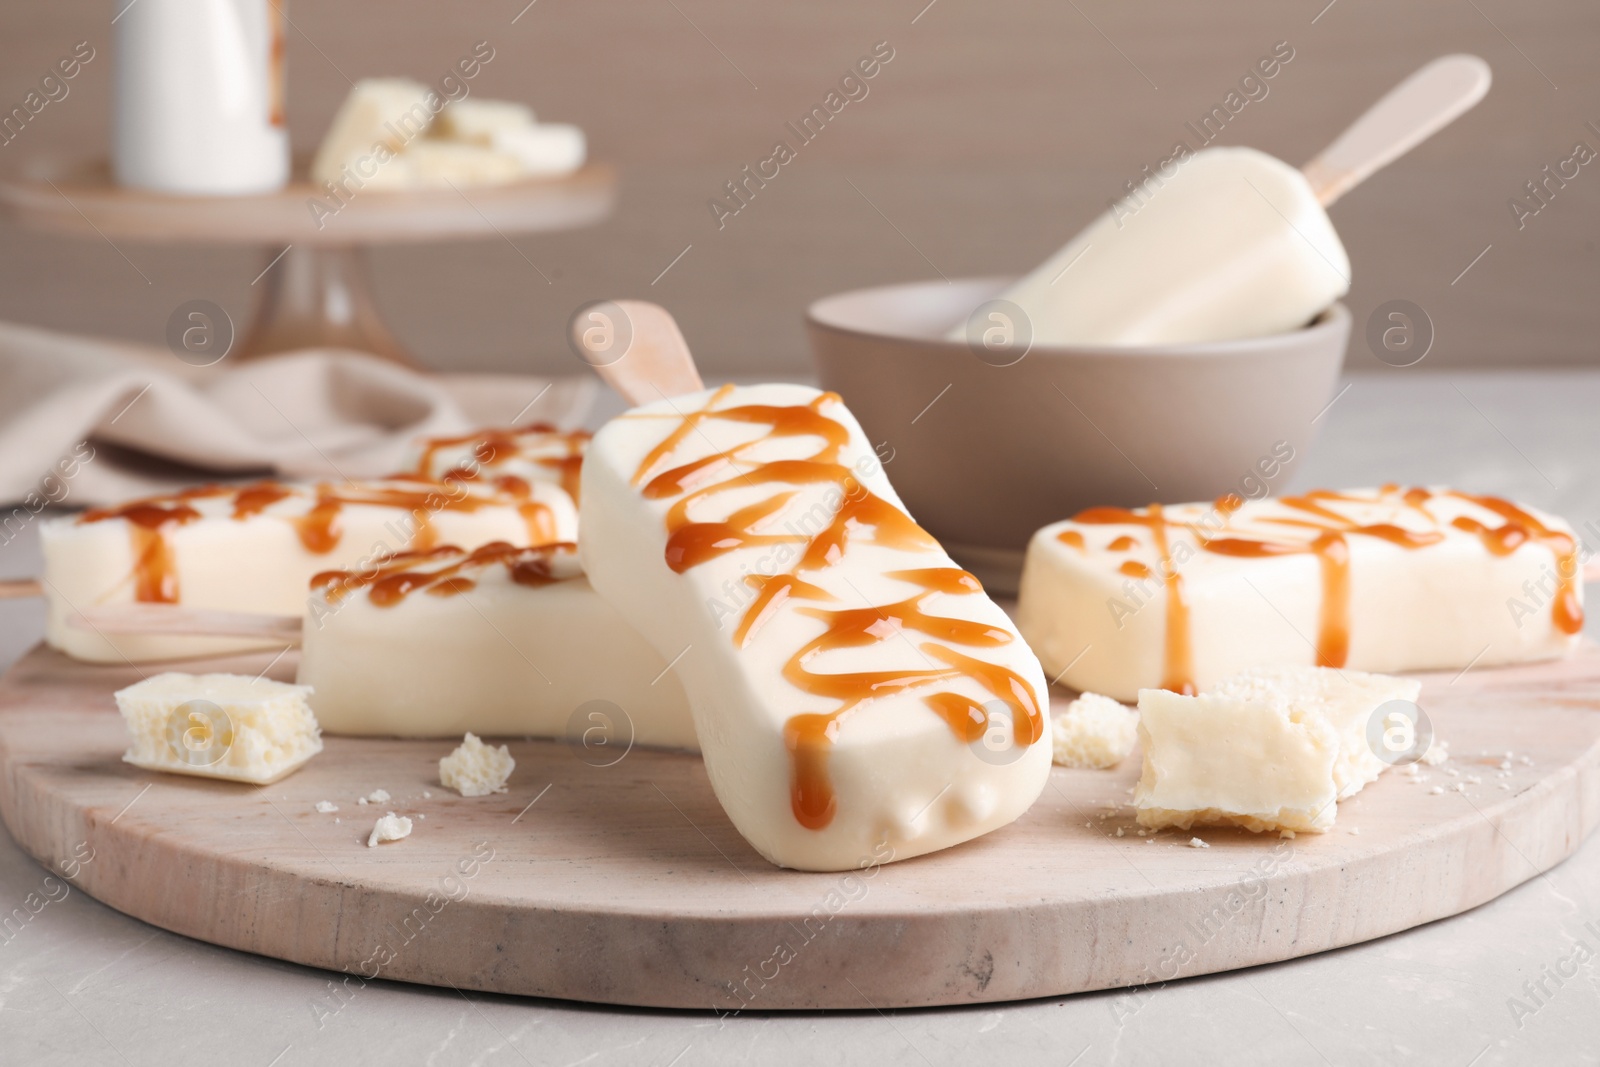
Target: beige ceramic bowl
x=985, y=454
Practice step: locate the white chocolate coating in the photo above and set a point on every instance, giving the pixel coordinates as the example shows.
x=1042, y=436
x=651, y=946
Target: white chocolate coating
x=858, y=698
x=527, y=453
x=256, y=548
x=1233, y=244
x=1388, y=580
x=499, y=642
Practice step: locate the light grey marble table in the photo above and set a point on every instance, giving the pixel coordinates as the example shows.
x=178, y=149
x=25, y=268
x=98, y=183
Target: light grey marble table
x=82, y=983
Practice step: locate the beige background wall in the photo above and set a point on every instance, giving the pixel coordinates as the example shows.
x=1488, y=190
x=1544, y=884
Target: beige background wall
x=995, y=132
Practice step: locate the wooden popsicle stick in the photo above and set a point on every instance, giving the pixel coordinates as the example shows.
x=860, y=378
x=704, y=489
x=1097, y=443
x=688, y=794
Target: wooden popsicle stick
x=178, y=621
x=654, y=362
x=1407, y=115
x=16, y=588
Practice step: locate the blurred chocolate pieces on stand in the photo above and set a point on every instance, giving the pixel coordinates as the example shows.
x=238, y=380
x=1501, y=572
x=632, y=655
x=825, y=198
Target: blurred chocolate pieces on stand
x=386, y=135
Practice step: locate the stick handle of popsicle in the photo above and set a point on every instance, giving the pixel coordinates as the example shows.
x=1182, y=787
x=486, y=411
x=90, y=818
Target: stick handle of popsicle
x=1407, y=115
x=20, y=587
x=637, y=349
x=179, y=621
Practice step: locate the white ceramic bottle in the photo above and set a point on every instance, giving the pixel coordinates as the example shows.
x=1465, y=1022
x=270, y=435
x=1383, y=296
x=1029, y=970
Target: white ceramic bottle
x=199, y=96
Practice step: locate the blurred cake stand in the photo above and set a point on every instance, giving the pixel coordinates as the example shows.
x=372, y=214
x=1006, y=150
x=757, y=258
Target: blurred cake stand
x=316, y=290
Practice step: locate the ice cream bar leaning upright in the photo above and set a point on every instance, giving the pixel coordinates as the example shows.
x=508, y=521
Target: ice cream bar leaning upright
x=857, y=696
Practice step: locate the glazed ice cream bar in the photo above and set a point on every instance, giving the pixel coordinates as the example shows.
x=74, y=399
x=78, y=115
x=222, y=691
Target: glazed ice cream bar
x=498, y=641
x=507, y=458
x=255, y=548
x=1223, y=243
x=1390, y=580
x=856, y=695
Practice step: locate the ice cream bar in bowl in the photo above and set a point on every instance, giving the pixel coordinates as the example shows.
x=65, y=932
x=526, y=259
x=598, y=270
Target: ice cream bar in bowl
x=1183, y=346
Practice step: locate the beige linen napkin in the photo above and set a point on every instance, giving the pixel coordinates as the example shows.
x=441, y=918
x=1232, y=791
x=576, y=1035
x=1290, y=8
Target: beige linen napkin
x=88, y=420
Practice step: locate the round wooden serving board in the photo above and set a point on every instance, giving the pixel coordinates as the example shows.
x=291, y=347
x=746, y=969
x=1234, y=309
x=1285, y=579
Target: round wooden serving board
x=626, y=884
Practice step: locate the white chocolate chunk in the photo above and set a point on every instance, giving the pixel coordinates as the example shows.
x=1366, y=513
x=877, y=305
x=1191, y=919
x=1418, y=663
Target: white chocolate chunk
x=227, y=726
x=1094, y=731
x=1228, y=243
x=1347, y=700
x=500, y=641
x=378, y=117
x=475, y=769
x=327, y=807
x=386, y=136
x=440, y=164
x=255, y=549
x=1252, y=751
x=1387, y=580
x=1209, y=760
x=389, y=827
x=394, y=173
x=543, y=151
x=856, y=696
x=476, y=121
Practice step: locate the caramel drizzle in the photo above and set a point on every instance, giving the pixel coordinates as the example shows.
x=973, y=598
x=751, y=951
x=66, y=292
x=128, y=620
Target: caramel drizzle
x=490, y=446
x=1565, y=610
x=860, y=516
x=1330, y=545
x=1177, y=671
x=150, y=520
x=155, y=572
x=1333, y=557
x=392, y=578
